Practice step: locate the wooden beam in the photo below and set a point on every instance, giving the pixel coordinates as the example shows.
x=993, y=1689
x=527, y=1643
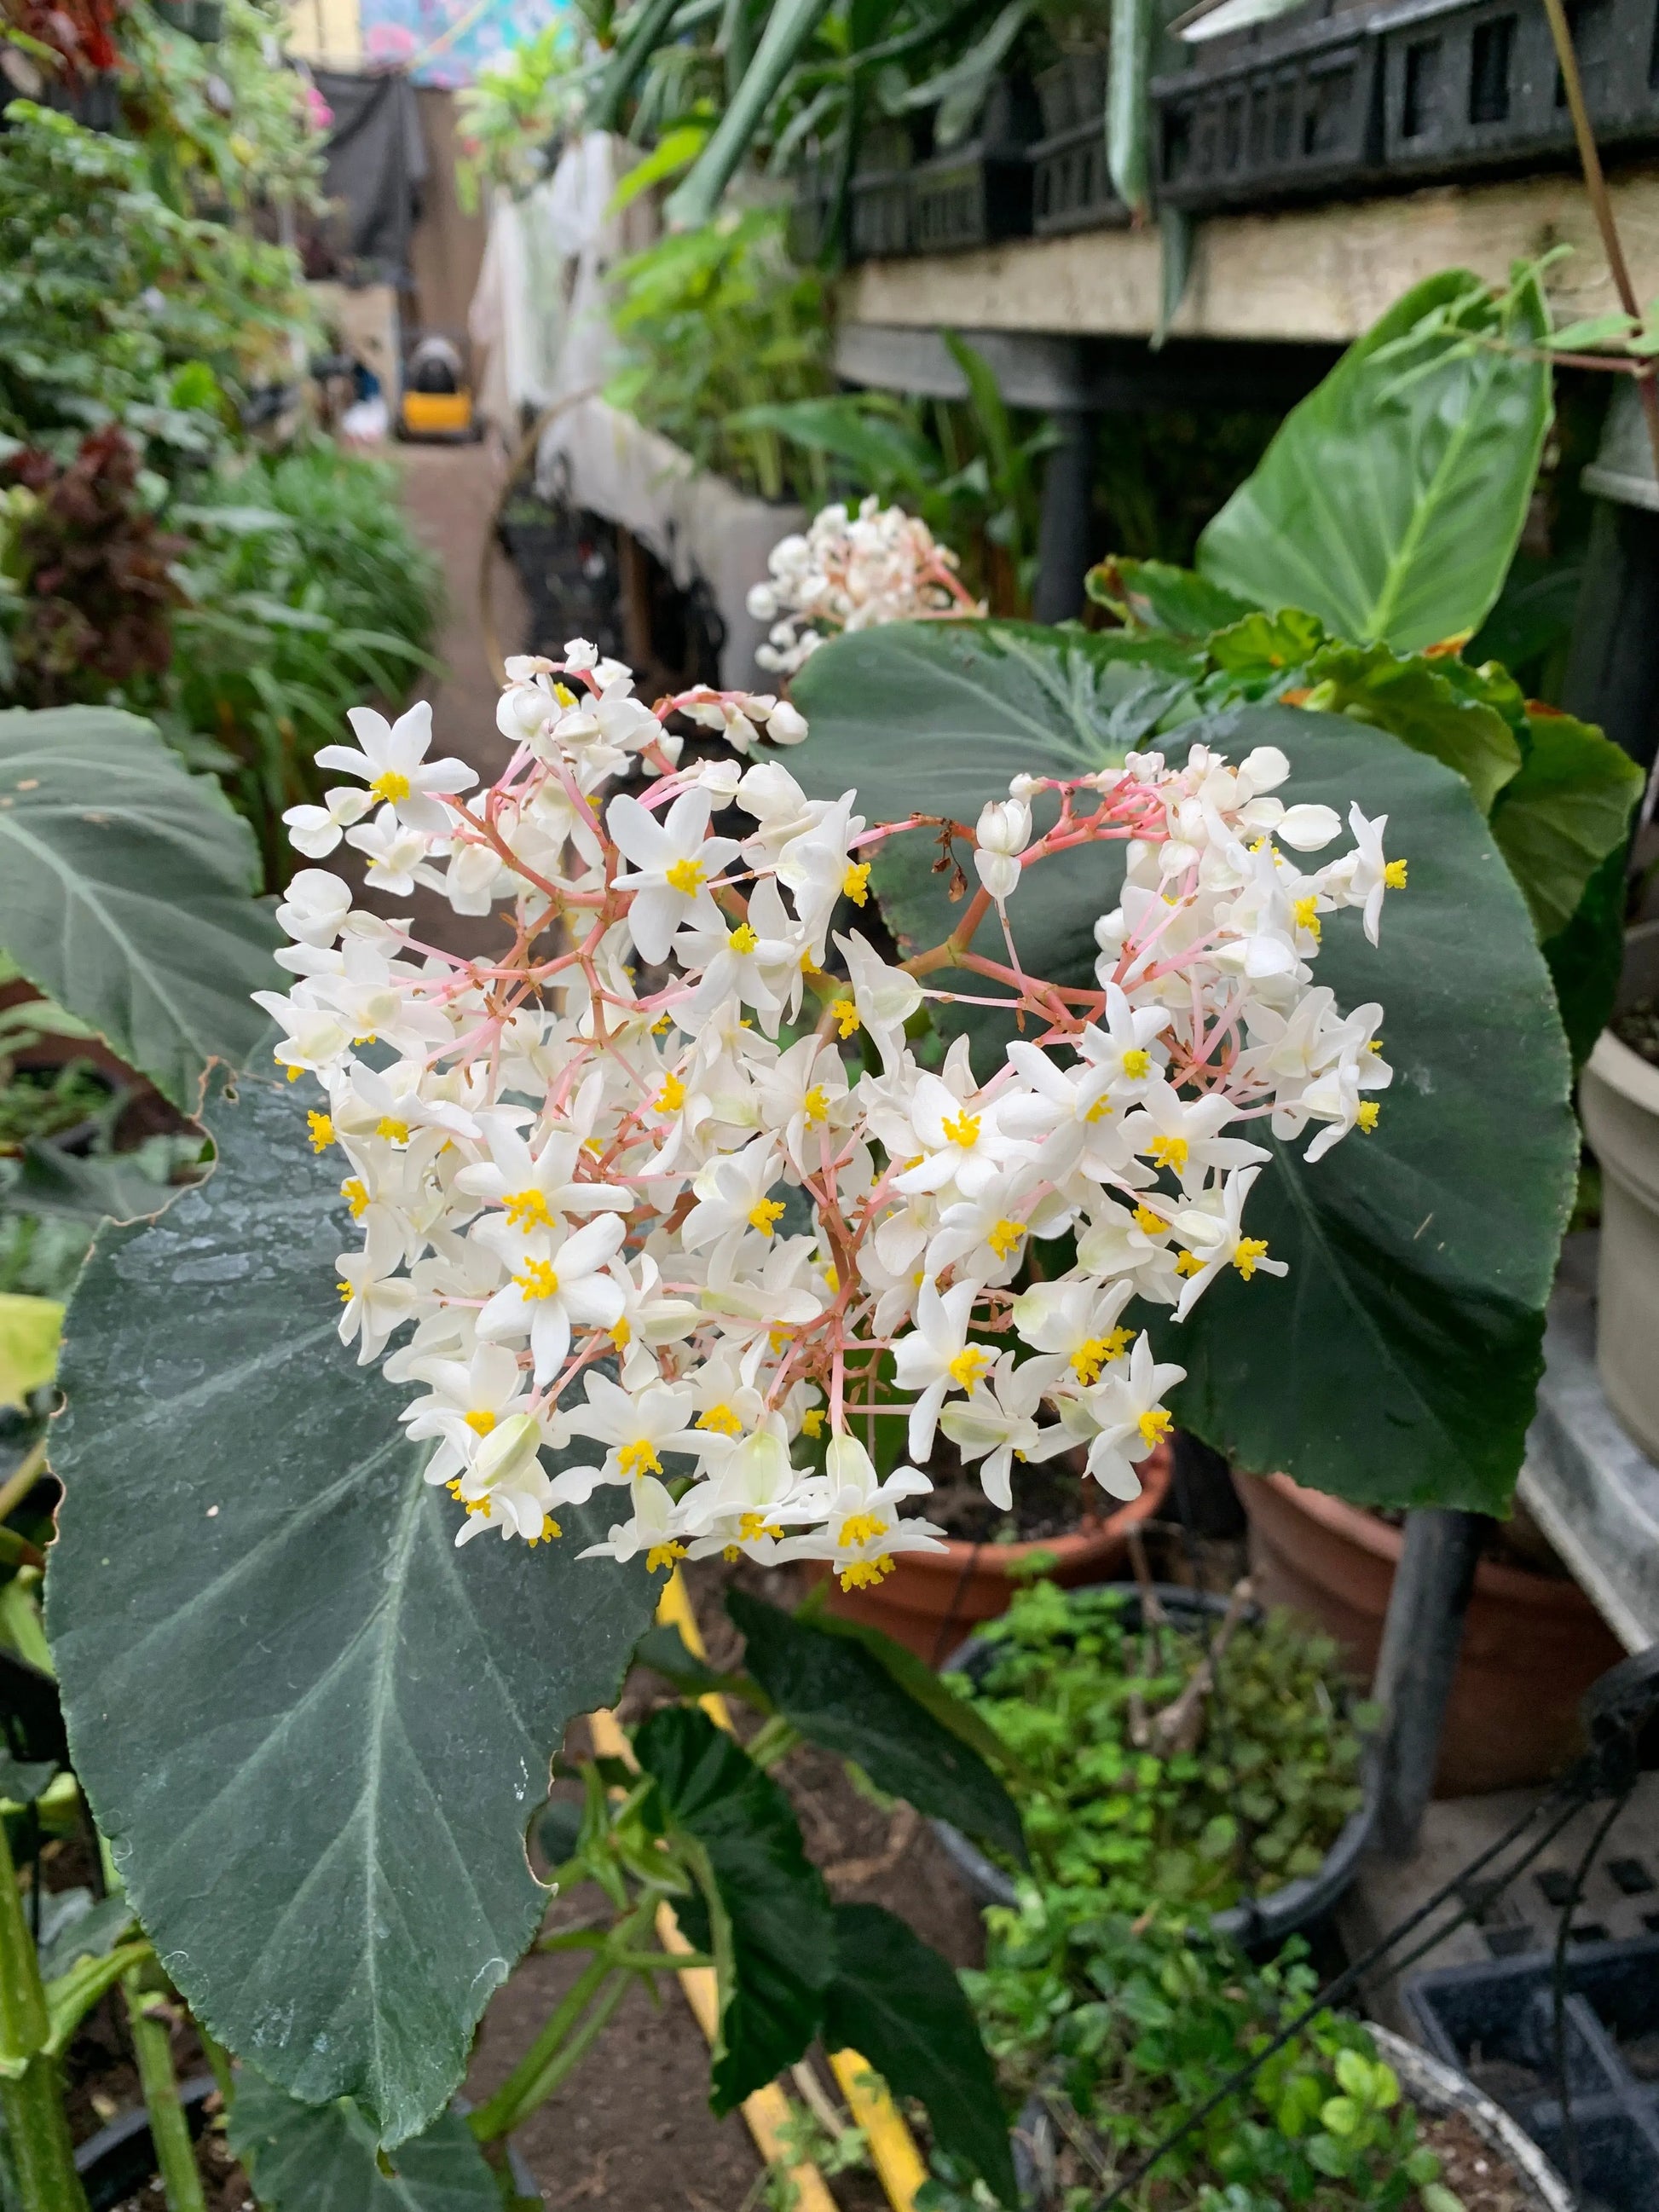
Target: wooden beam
x=1320, y=273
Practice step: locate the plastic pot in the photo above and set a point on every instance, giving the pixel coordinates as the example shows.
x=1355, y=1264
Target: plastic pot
x=1619, y=1098
x=1532, y=1644
x=928, y=1598
x=1433, y=2087
x=1257, y=1925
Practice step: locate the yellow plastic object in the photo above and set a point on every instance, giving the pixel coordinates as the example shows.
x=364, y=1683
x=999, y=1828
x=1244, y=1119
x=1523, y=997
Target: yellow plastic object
x=437, y=414
x=898, y=2163
x=29, y=1329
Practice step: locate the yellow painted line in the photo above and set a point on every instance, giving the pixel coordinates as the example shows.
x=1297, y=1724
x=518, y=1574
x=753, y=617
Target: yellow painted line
x=898, y=2163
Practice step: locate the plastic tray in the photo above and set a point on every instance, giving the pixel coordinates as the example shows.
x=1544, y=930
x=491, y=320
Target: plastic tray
x=1474, y=84
x=1299, y=113
x=1071, y=187
x=1258, y=1925
x=1071, y=95
x=1497, y=2022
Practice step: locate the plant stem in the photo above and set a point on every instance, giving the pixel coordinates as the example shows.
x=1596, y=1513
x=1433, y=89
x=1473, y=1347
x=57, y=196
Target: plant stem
x=566, y=2061
x=1595, y=185
x=528, y=2083
x=771, y=1741
x=169, y=2129
x=36, y=2129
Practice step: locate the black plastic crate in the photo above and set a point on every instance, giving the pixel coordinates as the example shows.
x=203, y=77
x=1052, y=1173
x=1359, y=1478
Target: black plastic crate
x=1073, y=92
x=1300, y=113
x=1474, y=84
x=979, y=194
x=878, y=218
x=811, y=211
x=1497, y=2022
x=1071, y=185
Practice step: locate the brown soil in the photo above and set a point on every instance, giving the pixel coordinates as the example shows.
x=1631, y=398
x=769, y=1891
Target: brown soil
x=1479, y=2177
x=1637, y=1026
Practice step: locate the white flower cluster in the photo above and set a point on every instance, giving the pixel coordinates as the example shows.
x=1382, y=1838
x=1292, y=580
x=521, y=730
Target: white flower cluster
x=656, y=1180
x=853, y=572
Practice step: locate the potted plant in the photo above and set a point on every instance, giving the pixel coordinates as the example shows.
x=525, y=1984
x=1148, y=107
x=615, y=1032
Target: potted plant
x=1619, y=1098
x=1118, y=2032
x=1173, y=1751
x=1057, y=1522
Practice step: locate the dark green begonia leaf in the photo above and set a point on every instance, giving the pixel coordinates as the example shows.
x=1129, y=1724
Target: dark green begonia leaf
x=126, y=892
x=839, y=1694
x=896, y=2003
x=313, y=1730
x=768, y=1922
x=327, y=2157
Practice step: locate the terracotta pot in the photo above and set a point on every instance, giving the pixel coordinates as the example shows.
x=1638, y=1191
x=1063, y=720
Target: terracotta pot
x=932, y=1600
x=1532, y=1644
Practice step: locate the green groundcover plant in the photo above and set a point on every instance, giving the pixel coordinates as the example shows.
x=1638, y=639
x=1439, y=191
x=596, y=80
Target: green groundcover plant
x=1133, y=1792
x=697, y=1252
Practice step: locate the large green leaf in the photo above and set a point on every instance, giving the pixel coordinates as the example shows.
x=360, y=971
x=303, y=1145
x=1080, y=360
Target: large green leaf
x=897, y=2003
x=769, y=1922
x=324, y=2158
x=1587, y=957
x=126, y=892
x=841, y=1696
x=1397, y=1362
x=1565, y=812
x=312, y=1730
x=1154, y=595
x=1392, y=497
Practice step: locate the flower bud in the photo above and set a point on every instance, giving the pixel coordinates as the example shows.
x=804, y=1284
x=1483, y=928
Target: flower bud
x=1005, y=826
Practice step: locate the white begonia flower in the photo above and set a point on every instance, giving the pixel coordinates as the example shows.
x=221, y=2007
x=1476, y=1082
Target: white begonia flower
x=1121, y=1418
x=734, y=1192
x=555, y=1283
x=316, y=906
x=1003, y=832
x=675, y=860
x=1366, y=874
x=638, y=1426
x=316, y=830
x=997, y=1424
x=1078, y=1323
x=465, y=1401
x=863, y=1533
x=657, y=1529
x=396, y=853
x=391, y=758
x=506, y=1487
x=937, y=1356
x=884, y=998
x=1211, y=1226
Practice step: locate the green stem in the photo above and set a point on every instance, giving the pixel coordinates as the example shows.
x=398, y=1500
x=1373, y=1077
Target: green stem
x=175, y=2154
x=518, y=2093
x=772, y=1742
x=566, y=2061
x=32, y=2101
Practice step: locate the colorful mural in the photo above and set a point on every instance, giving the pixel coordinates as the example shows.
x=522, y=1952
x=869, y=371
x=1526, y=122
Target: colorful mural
x=448, y=42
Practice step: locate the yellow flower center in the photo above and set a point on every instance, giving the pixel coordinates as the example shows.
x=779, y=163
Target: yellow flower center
x=722, y=1420
x=816, y=1105
x=961, y=1129
x=753, y=1526
x=812, y=1422
x=564, y=695
x=855, y=883
x=1004, y=1237
x=1305, y=914
x=1169, y=1152
x=480, y=1421
x=1137, y=1062
x=347, y=1293
x=526, y=1208
x=1099, y=1111
x=845, y=1015
x=538, y=1280
x=390, y=784
x=1188, y=1264
x=548, y=1529
x=671, y=1097
x=661, y=1026
x=1366, y=1116
x=294, y=1072
x=1376, y=1045
x=356, y=1195
x=322, y=1131
x=662, y=1555
x=395, y=1132
x=864, y=1574
x=1394, y=875
x=763, y=1216
x=970, y=1364
x=1155, y=1424
x=1099, y=1351
x=1150, y=1223
x=743, y=939
x=622, y=1335
x=639, y=1458
x=1251, y=1250
x=684, y=876
x=862, y=1529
